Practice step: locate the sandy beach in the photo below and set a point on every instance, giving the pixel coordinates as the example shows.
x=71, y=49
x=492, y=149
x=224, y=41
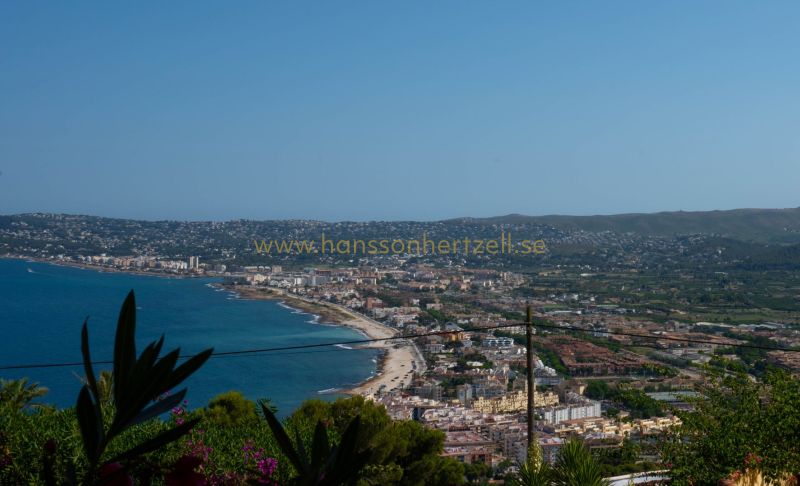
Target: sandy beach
x=397, y=365
x=107, y=268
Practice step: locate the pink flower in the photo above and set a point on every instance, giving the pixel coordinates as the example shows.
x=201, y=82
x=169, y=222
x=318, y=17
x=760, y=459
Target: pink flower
x=267, y=466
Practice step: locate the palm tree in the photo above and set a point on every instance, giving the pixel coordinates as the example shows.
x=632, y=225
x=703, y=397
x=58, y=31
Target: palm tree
x=105, y=387
x=575, y=466
x=532, y=475
x=535, y=471
x=18, y=394
x=267, y=402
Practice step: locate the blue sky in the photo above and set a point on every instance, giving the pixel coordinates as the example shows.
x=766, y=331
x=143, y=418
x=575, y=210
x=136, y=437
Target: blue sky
x=404, y=110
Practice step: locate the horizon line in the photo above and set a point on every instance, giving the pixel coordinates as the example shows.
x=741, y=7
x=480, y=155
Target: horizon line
x=458, y=218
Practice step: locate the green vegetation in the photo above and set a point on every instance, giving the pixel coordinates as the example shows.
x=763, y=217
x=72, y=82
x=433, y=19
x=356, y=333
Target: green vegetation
x=615, y=461
x=660, y=370
x=230, y=408
x=756, y=224
x=138, y=388
x=117, y=433
x=127, y=427
x=574, y=466
x=738, y=423
x=599, y=390
x=400, y=452
x=324, y=464
x=753, y=360
x=19, y=394
x=438, y=316
x=635, y=401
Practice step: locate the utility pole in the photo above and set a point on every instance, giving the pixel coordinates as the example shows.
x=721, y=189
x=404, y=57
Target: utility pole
x=531, y=380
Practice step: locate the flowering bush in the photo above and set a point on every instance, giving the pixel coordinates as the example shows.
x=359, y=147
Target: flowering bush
x=256, y=459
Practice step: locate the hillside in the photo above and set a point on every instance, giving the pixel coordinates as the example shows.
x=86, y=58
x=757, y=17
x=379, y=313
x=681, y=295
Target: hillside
x=748, y=224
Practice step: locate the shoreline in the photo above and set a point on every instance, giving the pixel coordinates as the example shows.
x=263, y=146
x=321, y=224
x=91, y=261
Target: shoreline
x=104, y=268
x=396, y=365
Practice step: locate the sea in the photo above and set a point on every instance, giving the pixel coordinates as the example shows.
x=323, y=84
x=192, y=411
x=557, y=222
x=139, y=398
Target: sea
x=43, y=307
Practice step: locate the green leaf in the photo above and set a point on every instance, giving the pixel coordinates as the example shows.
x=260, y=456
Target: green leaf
x=159, y=407
x=153, y=383
x=87, y=360
x=283, y=440
x=346, y=462
x=186, y=369
x=150, y=354
x=147, y=378
x=124, y=348
x=143, y=388
x=156, y=442
x=347, y=446
x=91, y=424
x=320, y=449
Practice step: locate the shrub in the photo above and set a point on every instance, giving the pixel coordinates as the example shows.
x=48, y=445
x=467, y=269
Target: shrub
x=735, y=420
x=230, y=408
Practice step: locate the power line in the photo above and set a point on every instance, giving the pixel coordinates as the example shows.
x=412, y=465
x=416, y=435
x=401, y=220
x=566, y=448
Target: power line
x=668, y=338
x=261, y=350
x=257, y=351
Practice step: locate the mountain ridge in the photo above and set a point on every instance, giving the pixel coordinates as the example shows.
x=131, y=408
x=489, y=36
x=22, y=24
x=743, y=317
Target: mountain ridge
x=755, y=224
x=746, y=223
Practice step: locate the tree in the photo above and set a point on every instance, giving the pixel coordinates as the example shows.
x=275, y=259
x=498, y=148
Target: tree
x=18, y=394
x=735, y=421
x=401, y=453
x=322, y=464
x=531, y=475
x=267, y=402
x=598, y=390
x=477, y=471
x=230, y=408
x=415, y=449
x=575, y=466
x=105, y=387
x=535, y=471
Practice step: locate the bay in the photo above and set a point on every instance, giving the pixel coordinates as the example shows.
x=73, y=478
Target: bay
x=43, y=306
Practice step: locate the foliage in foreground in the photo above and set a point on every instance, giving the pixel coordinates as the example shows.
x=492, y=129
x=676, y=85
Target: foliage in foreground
x=323, y=464
x=138, y=383
x=20, y=394
x=738, y=424
x=238, y=448
x=117, y=433
x=574, y=466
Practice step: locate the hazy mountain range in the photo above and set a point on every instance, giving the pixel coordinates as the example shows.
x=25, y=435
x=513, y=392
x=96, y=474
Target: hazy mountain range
x=745, y=224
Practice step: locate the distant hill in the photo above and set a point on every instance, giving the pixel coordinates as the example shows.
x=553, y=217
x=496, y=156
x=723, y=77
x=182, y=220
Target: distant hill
x=747, y=224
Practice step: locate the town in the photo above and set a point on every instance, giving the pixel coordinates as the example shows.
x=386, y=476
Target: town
x=620, y=347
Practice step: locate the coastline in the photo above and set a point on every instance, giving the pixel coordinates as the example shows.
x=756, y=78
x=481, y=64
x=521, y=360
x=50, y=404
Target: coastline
x=104, y=268
x=396, y=365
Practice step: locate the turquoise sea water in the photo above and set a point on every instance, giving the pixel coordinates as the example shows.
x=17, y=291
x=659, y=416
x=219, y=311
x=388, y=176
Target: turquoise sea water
x=42, y=308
